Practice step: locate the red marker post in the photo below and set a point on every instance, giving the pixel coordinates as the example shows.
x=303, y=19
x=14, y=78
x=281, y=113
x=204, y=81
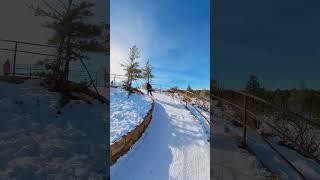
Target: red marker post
x=6, y=70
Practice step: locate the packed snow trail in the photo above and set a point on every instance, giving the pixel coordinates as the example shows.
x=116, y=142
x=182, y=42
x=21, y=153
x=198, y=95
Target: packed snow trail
x=173, y=147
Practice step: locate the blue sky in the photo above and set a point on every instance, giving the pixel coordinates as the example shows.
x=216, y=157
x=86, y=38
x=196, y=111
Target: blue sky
x=174, y=35
x=276, y=40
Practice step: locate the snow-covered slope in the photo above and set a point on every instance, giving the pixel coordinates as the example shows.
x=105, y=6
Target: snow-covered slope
x=232, y=162
x=36, y=137
x=174, y=146
x=126, y=112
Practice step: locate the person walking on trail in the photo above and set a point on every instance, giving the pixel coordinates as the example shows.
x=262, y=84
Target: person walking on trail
x=149, y=88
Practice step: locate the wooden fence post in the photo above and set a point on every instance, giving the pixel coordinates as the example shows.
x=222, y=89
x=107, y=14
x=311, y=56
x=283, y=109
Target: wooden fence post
x=244, y=141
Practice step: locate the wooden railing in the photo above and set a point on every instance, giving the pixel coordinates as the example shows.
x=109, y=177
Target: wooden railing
x=195, y=99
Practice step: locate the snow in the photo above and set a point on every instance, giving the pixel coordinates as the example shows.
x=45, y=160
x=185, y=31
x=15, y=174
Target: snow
x=229, y=160
x=126, y=112
x=201, y=115
x=260, y=150
x=206, y=114
x=35, y=138
x=203, y=118
x=308, y=167
x=28, y=93
x=173, y=147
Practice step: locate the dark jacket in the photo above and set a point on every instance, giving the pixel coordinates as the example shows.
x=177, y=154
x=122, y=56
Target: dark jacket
x=149, y=87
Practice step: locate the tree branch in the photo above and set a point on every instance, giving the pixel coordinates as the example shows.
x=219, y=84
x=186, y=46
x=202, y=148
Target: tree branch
x=41, y=12
x=63, y=4
x=51, y=7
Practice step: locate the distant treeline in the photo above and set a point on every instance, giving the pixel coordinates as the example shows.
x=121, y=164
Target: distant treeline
x=303, y=100
x=203, y=92
x=306, y=102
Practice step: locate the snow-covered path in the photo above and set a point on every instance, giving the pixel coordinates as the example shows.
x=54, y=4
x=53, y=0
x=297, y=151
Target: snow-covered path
x=174, y=146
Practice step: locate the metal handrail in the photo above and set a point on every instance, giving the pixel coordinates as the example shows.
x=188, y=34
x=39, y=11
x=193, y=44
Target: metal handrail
x=16, y=50
x=28, y=52
x=310, y=121
x=28, y=43
x=32, y=72
x=301, y=118
x=246, y=111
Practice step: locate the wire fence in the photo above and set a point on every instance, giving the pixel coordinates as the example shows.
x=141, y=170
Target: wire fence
x=116, y=80
x=22, y=53
x=22, y=49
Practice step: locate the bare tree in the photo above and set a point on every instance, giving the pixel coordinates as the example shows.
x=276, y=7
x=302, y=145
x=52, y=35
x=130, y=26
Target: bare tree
x=298, y=133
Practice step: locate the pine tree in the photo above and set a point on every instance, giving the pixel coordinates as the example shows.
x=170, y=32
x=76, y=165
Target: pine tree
x=174, y=88
x=106, y=35
x=253, y=85
x=73, y=36
x=131, y=67
x=147, y=72
x=189, y=88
